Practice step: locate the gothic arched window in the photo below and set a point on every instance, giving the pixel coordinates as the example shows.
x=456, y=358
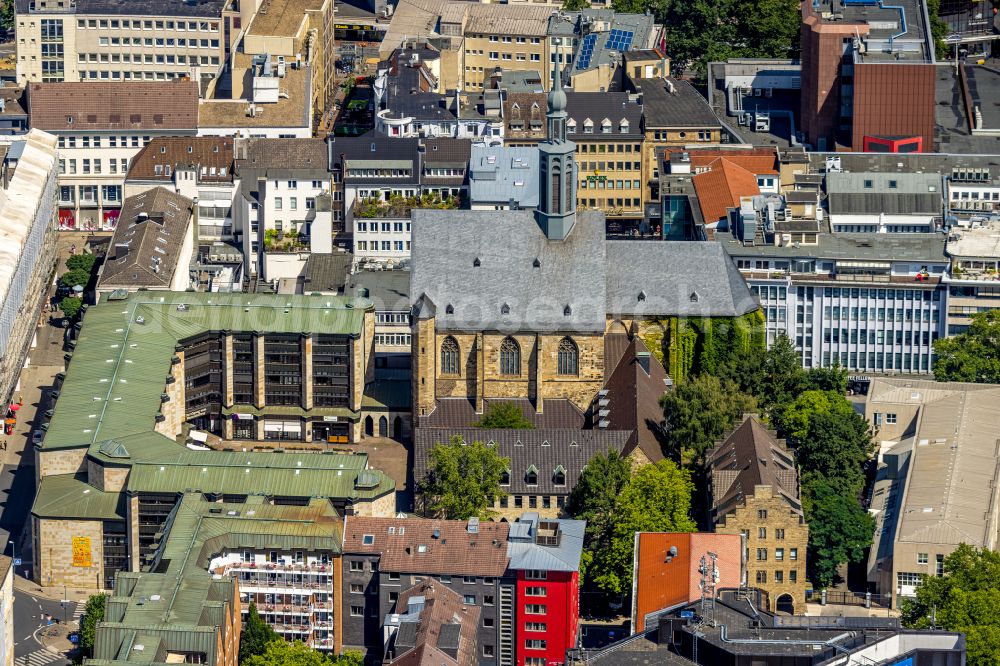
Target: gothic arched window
x=510, y=357
x=569, y=357
x=449, y=356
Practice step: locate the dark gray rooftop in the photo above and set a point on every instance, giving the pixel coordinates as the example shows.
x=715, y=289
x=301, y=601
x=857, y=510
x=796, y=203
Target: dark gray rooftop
x=388, y=290
x=873, y=193
x=674, y=103
x=983, y=84
x=689, y=279
x=475, y=270
x=596, y=106
x=885, y=247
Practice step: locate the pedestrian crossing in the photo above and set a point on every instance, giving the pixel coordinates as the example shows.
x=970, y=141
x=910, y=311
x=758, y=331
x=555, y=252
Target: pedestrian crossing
x=78, y=611
x=39, y=658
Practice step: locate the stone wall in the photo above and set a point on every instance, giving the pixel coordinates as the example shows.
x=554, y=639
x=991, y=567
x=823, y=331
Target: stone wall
x=55, y=553
x=106, y=479
x=380, y=507
x=497, y=385
x=771, y=525
x=424, y=367
x=60, y=461
x=173, y=410
x=581, y=389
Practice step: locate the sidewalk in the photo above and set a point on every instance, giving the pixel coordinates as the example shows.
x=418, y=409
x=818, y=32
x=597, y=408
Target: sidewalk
x=54, y=593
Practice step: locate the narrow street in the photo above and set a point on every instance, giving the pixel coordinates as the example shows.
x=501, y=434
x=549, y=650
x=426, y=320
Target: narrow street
x=17, y=490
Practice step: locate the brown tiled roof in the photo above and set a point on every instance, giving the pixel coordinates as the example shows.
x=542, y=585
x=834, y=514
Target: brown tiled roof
x=307, y=154
x=751, y=456
x=461, y=413
x=524, y=113
x=755, y=160
x=148, y=237
x=409, y=545
x=154, y=105
x=634, y=396
x=215, y=153
x=445, y=633
x=721, y=187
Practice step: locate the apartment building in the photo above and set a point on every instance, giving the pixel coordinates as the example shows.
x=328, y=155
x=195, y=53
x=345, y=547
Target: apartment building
x=287, y=369
x=101, y=127
x=28, y=253
x=922, y=514
x=284, y=208
x=101, y=42
x=523, y=577
x=868, y=302
x=755, y=493
x=607, y=130
x=879, y=202
x=436, y=621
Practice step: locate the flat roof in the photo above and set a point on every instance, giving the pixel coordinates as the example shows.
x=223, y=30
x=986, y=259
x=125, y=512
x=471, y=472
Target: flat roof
x=983, y=86
x=166, y=8
x=295, y=110
x=893, y=29
x=283, y=18
x=979, y=242
x=886, y=247
x=502, y=174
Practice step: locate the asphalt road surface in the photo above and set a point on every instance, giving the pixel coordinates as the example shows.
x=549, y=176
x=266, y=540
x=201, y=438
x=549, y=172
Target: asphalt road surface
x=29, y=620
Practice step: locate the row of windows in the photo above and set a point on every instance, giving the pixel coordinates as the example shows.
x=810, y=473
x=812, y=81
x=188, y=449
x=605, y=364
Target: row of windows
x=779, y=577
x=626, y=202
x=159, y=42
x=518, y=502
x=293, y=203
x=116, y=75
x=98, y=141
x=520, y=57
x=126, y=24
x=92, y=166
x=840, y=335
x=779, y=554
x=609, y=166
x=392, y=317
x=582, y=148
x=568, y=357
x=88, y=194
x=864, y=314
x=703, y=135
x=506, y=39
x=392, y=339
x=387, y=246
x=385, y=227
x=610, y=184
x=878, y=361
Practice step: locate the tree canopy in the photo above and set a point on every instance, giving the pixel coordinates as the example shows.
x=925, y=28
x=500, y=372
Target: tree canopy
x=83, y=261
x=297, y=653
x=617, y=503
x=505, y=415
x=256, y=635
x=93, y=612
x=70, y=306
x=972, y=356
x=966, y=599
x=463, y=480
x=699, y=412
x=839, y=529
x=75, y=276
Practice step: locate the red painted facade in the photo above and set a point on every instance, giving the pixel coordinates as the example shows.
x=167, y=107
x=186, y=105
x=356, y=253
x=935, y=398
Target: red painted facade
x=561, y=602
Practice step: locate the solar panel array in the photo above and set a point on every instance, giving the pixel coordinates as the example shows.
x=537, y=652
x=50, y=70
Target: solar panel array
x=620, y=40
x=586, y=51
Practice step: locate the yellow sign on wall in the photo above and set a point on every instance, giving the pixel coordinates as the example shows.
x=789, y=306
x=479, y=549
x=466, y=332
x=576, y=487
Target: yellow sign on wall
x=81, y=552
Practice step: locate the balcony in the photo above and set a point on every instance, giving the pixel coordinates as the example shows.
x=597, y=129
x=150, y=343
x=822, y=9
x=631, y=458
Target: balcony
x=291, y=243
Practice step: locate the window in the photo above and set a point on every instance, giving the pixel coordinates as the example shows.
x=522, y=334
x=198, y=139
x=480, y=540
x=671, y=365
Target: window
x=779, y=576
x=762, y=554
x=939, y=565
x=510, y=357
x=762, y=577
x=487, y=622
x=277, y=203
x=569, y=356
x=488, y=650
x=536, y=574
x=469, y=580
x=357, y=565
x=762, y=514
x=921, y=558
x=534, y=591
x=534, y=609
x=469, y=599
x=535, y=626
x=793, y=576
x=531, y=476
x=779, y=554
x=535, y=661
x=779, y=533
x=559, y=476
x=487, y=599
x=449, y=356
x=368, y=539
x=357, y=611
x=534, y=644
x=394, y=576
x=890, y=419
x=761, y=532
x=357, y=588
x=793, y=554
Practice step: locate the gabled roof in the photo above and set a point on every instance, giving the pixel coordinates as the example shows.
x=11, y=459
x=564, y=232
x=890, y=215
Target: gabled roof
x=721, y=187
x=213, y=153
x=147, y=240
x=549, y=544
x=634, y=395
x=440, y=626
x=751, y=456
x=674, y=103
x=128, y=105
x=452, y=413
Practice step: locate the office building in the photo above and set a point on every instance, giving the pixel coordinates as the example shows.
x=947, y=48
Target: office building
x=100, y=42
x=933, y=490
x=868, y=76
x=893, y=203
x=28, y=251
x=101, y=127
x=286, y=369
x=755, y=493
x=973, y=278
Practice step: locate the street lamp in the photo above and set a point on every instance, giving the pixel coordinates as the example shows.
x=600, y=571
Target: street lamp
x=13, y=549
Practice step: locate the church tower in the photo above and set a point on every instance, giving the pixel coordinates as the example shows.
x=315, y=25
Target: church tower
x=557, y=168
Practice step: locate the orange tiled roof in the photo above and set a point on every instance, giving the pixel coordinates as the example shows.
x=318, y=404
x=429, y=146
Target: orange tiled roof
x=721, y=187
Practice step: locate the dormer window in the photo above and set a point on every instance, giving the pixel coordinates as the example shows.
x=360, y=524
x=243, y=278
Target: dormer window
x=449, y=309
x=505, y=478
x=605, y=126
x=476, y=263
x=531, y=476
x=504, y=309
x=695, y=297
x=571, y=126
x=567, y=311
x=559, y=476
x=588, y=126
x=623, y=126
x=642, y=295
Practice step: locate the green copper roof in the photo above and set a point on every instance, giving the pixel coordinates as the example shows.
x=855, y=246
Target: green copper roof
x=119, y=369
x=67, y=495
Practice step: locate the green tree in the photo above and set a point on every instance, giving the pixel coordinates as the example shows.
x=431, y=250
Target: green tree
x=836, y=446
x=656, y=499
x=965, y=599
x=839, y=529
x=463, y=480
x=594, y=498
x=972, y=356
x=699, y=412
x=7, y=17
x=505, y=415
x=83, y=262
x=70, y=306
x=827, y=379
x=793, y=419
x=74, y=277
x=93, y=613
x=575, y=5
x=256, y=636
x=282, y=653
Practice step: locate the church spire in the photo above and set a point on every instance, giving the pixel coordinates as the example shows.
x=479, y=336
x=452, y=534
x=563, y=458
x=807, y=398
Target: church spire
x=557, y=167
